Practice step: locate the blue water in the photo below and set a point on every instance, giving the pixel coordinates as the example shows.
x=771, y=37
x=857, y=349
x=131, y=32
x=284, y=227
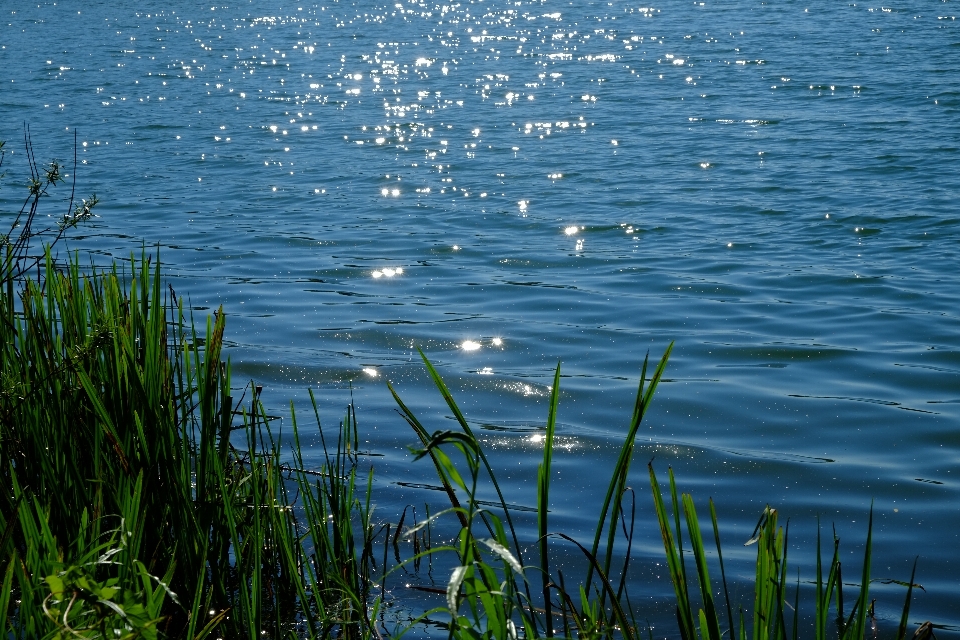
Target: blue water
x=773, y=185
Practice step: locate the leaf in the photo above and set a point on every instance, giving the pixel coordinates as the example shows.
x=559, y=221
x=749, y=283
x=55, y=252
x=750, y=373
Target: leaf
x=504, y=553
x=5, y=590
x=106, y=593
x=449, y=468
x=410, y=531
x=758, y=530
x=453, y=589
x=55, y=583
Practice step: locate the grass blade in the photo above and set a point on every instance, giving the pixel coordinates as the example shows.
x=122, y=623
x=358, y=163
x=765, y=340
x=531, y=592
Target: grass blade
x=685, y=616
x=723, y=574
x=864, y=598
x=543, y=500
x=622, y=467
x=902, y=630
x=5, y=592
x=425, y=441
x=625, y=628
x=448, y=397
x=709, y=625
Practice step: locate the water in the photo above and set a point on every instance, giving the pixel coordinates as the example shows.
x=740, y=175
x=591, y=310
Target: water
x=772, y=185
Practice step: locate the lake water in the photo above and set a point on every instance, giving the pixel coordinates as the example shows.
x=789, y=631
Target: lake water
x=773, y=185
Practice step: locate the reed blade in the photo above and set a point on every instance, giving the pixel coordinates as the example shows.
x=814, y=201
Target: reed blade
x=448, y=398
x=902, y=629
x=622, y=467
x=685, y=614
x=710, y=625
x=543, y=500
x=723, y=574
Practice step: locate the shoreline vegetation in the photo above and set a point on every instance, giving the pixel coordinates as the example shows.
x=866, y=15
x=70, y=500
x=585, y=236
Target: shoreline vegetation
x=145, y=495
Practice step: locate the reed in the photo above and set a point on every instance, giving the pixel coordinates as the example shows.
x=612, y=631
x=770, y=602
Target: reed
x=144, y=498
x=146, y=501
x=599, y=610
x=699, y=617
x=488, y=594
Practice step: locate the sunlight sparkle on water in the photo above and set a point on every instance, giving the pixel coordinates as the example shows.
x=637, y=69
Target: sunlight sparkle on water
x=451, y=135
x=387, y=272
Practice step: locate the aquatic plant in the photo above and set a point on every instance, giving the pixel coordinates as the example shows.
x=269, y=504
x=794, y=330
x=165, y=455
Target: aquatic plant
x=596, y=609
x=771, y=608
x=490, y=580
x=122, y=441
x=145, y=500
x=140, y=497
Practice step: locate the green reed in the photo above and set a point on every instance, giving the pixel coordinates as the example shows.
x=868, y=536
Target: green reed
x=145, y=500
x=489, y=585
x=490, y=581
x=142, y=498
x=699, y=619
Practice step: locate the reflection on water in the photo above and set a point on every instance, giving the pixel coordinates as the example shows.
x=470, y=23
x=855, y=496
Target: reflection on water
x=506, y=184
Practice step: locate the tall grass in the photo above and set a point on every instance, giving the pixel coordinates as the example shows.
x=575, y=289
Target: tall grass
x=146, y=500
x=593, y=607
x=489, y=594
x=774, y=617
x=135, y=475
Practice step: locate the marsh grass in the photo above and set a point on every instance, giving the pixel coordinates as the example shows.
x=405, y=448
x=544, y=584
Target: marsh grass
x=145, y=500
x=135, y=475
x=490, y=584
x=489, y=592
x=773, y=616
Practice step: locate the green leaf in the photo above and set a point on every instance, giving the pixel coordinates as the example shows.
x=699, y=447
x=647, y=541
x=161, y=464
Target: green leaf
x=504, y=553
x=449, y=468
x=106, y=593
x=56, y=584
x=453, y=589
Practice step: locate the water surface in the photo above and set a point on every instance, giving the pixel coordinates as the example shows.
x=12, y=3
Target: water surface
x=509, y=184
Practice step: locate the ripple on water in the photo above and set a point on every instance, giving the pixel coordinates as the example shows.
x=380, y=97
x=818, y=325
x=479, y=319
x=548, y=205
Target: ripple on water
x=505, y=188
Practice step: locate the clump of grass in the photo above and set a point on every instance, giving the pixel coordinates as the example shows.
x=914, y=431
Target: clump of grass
x=489, y=592
x=774, y=617
x=121, y=439
x=147, y=501
x=141, y=498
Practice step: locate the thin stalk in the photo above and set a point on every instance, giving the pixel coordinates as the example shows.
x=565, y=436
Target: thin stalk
x=543, y=500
